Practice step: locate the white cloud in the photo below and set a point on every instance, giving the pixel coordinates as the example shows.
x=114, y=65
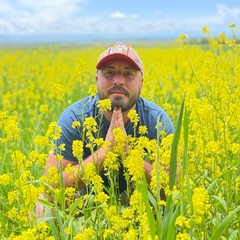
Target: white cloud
x=26, y=16
x=224, y=12
x=134, y=16
x=120, y=15
x=64, y=17
x=117, y=15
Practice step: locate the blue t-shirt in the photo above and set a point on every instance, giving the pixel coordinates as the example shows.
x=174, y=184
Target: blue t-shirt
x=149, y=114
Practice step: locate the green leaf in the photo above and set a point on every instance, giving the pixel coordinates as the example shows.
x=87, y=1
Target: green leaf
x=223, y=203
x=174, y=152
x=223, y=225
x=234, y=235
x=152, y=224
x=170, y=216
x=45, y=219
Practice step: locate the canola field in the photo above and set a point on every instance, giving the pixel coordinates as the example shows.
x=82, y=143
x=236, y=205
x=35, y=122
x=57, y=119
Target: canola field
x=199, y=87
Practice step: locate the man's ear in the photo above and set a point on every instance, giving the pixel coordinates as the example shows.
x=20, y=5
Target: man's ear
x=97, y=75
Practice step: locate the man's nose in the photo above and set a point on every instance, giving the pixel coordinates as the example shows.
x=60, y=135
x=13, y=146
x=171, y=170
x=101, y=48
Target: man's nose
x=118, y=79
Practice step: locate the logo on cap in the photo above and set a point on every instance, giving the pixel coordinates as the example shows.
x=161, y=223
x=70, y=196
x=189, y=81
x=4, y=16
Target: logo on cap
x=118, y=48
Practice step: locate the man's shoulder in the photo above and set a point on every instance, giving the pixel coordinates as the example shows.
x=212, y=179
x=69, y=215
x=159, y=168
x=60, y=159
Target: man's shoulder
x=147, y=105
x=150, y=113
x=84, y=107
x=148, y=109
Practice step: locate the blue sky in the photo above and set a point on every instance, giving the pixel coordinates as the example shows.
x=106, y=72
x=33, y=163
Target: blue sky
x=110, y=19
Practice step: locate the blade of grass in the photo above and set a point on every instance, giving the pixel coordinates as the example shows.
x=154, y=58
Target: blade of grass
x=152, y=224
x=174, y=152
x=185, y=165
x=169, y=219
x=223, y=225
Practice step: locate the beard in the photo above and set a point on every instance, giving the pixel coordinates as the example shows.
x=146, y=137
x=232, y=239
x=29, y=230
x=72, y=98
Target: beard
x=118, y=101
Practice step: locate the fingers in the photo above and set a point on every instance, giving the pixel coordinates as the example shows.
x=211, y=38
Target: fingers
x=120, y=120
x=113, y=124
x=116, y=122
x=113, y=119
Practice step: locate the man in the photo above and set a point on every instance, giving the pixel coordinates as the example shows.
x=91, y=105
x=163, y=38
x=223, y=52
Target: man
x=119, y=78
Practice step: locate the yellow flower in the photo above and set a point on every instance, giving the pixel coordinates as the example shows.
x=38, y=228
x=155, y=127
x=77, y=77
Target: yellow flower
x=43, y=108
x=19, y=159
x=53, y=176
x=90, y=124
x=133, y=116
x=97, y=183
x=182, y=221
x=142, y=130
x=12, y=195
x=81, y=67
x=101, y=198
x=4, y=179
x=40, y=140
x=77, y=149
x=111, y=161
x=131, y=234
x=12, y=213
x=134, y=164
x=61, y=147
x=11, y=128
x=200, y=203
x=104, y=105
x=92, y=90
x=222, y=37
x=99, y=142
x=71, y=170
x=90, y=171
x=181, y=39
x=235, y=148
x=232, y=25
x=136, y=199
x=120, y=140
x=57, y=90
x=69, y=194
x=67, y=230
x=109, y=233
x=128, y=213
x=54, y=131
x=76, y=124
x=88, y=233
x=182, y=236
x=42, y=230
x=206, y=30
x=162, y=203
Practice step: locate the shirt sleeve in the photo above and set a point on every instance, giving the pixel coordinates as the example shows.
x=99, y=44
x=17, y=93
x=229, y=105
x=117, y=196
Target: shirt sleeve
x=69, y=134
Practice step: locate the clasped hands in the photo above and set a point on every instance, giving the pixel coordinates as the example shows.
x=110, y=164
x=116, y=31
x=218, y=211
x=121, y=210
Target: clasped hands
x=116, y=122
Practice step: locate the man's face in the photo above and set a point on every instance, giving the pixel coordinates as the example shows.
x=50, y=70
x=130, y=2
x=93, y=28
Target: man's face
x=121, y=82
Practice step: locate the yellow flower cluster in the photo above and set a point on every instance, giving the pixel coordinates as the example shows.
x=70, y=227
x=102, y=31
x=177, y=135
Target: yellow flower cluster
x=77, y=149
x=104, y=105
x=133, y=116
x=200, y=204
x=9, y=127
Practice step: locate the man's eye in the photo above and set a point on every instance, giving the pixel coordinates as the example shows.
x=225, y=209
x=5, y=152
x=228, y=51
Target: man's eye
x=108, y=73
x=129, y=74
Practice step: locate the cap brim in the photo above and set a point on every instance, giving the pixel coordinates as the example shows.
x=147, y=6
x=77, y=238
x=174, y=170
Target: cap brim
x=117, y=56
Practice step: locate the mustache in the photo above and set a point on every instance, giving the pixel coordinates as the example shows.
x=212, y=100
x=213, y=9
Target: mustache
x=118, y=89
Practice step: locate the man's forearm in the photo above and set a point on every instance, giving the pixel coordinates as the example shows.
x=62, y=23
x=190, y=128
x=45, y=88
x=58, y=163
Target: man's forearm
x=75, y=178
x=148, y=169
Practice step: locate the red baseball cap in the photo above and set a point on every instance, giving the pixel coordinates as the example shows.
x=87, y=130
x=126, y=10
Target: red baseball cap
x=120, y=51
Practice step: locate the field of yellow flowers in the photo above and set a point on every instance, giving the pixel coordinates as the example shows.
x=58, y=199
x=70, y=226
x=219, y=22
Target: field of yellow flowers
x=199, y=87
